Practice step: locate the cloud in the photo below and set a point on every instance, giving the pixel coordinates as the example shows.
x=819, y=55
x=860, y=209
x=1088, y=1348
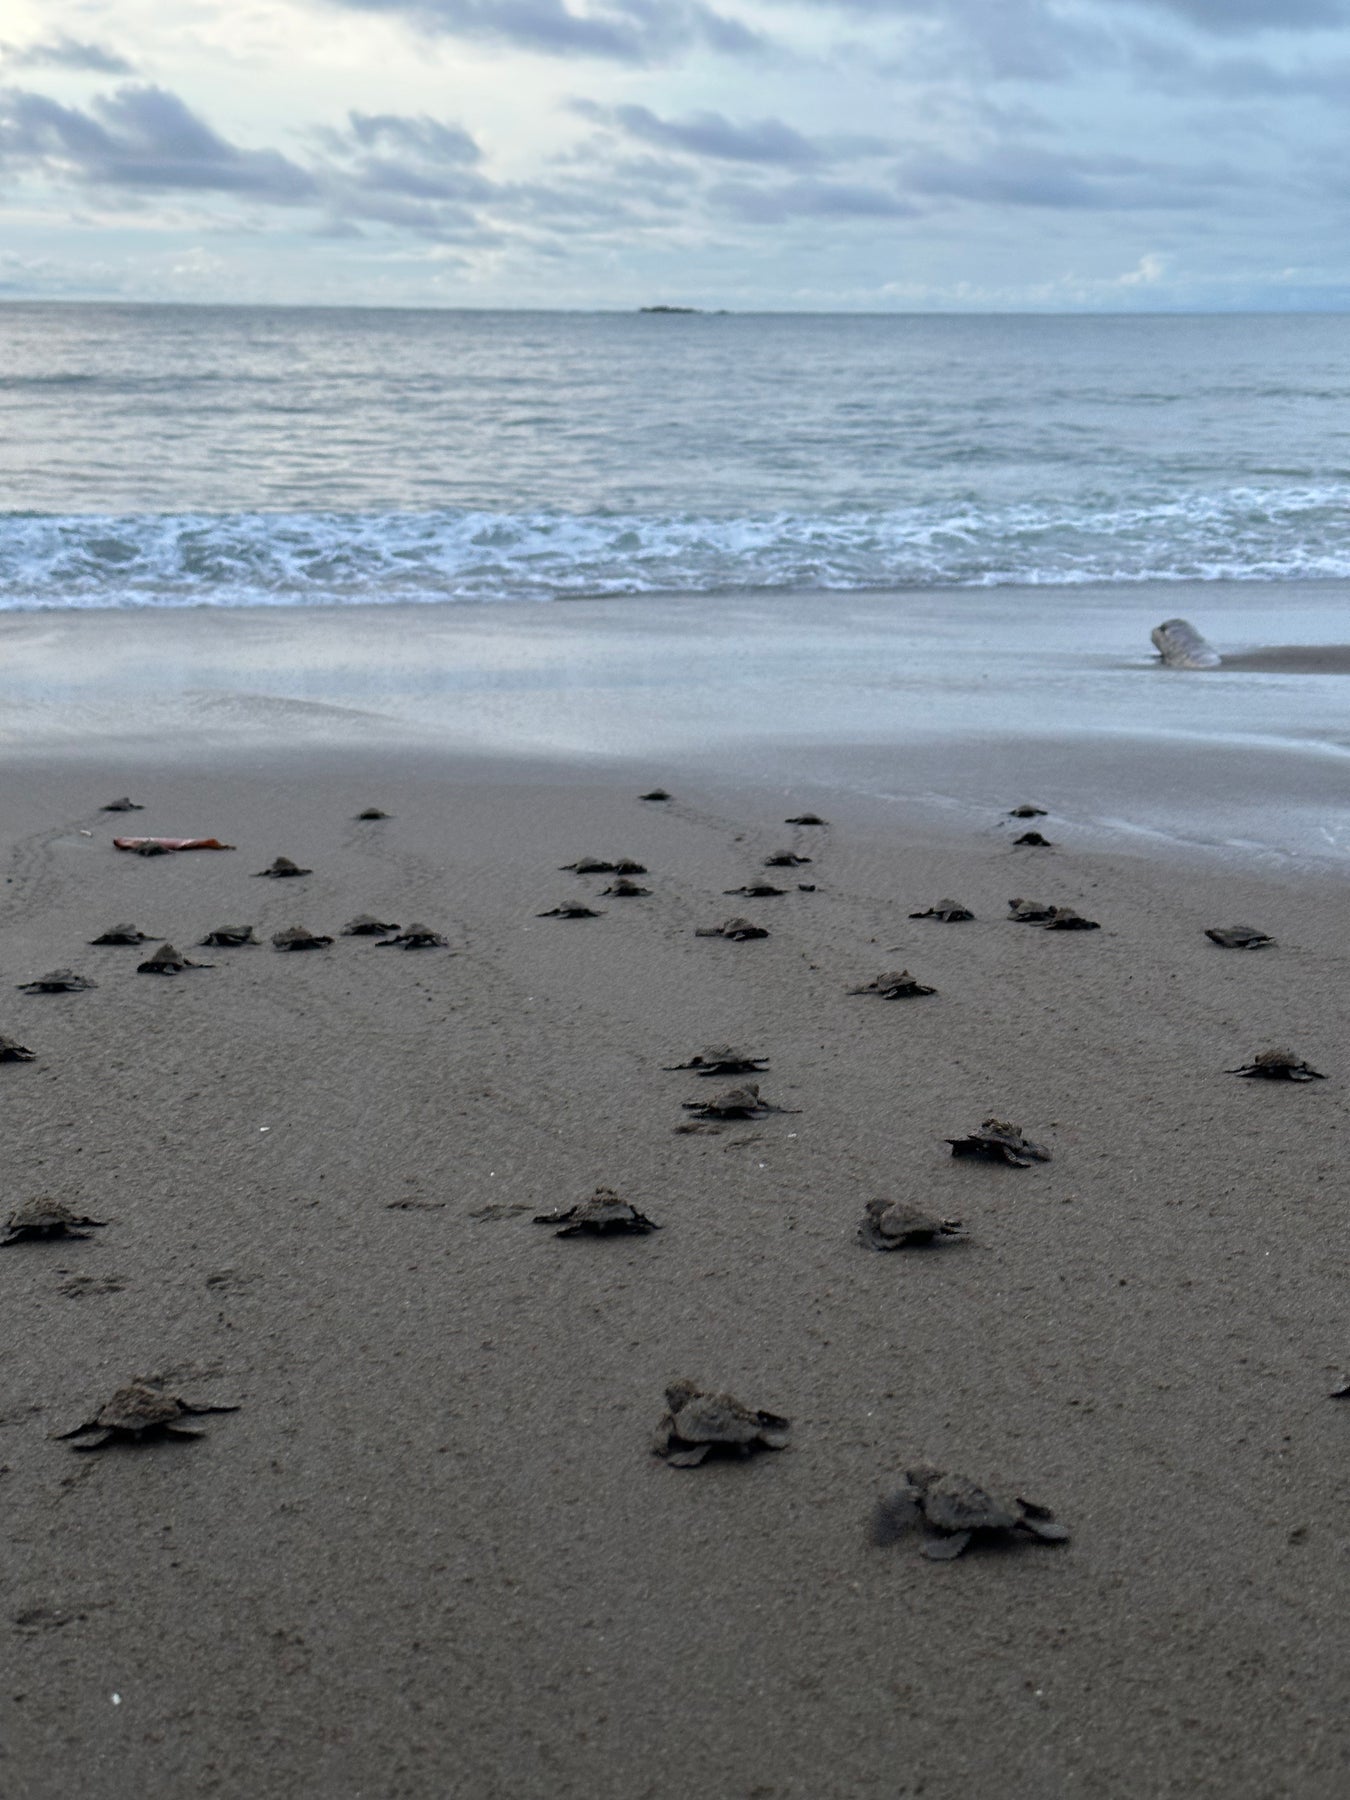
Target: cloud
x=140, y=138
x=1233, y=18
x=774, y=205
x=1027, y=175
x=67, y=53
x=710, y=134
x=626, y=31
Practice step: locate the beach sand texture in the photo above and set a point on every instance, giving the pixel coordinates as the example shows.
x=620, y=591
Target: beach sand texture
x=432, y=1554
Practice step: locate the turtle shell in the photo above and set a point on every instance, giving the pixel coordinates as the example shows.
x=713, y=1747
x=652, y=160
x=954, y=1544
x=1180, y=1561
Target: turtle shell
x=168, y=961
x=44, y=1217
x=229, y=937
x=733, y=1103
x=1278, y=1065
x=11, y=1050
x=589, y=865
x=603, y=1215
x=372, y=812
x=121, y=934
x=283, y=869
x=697, y=1423
x=951, y=912
x=367, y=925
x=1032, y=840
x=785, y=859
x=623, y=889
x=805, y=819
x=1027, y=812
x=655, y=794
x=57, y=981
x=722, y=1059
x=415, y=937
x=735, y=929
x=998, y=1141
x=1239, y=937
x=956, y=1503
x=122, y=805
x=570, y=910
x=1064, y=918
x=1029, y=912
x=896, y=1225
x=295, y=937
x=896, y=984
x=757, y=890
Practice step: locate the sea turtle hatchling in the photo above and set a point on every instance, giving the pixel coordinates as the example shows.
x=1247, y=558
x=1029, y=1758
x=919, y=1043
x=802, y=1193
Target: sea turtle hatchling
x=951, y=912
x=367, y=925
x=123, y=934
x=697, y=1425
x=1032, y=840
x=1029, y=912
x=738, y=930
x=295, y=937
x=1239, y=937
x=953, y=1511
x=122, y=805
x=896, y=984
x=588, y=865
x=805, y=819
x=283, y=869
x=603, y=1215
x=229, y=937
x=621, y=888
x=1064, y=918
x=757, y=890
x=57, y=981
x=45, y=1218
x=415, y=937
x=745, y=1102
x=722, y=1059
x=785, y=859
x=11, y=1050
x=139, y=1412
x=168, y=961
x=1278, y=1065
x=570, y=909
x=1027, y=812
x=896, y=1225
x=655, y=794
x=997, y=1141
x=372, y=812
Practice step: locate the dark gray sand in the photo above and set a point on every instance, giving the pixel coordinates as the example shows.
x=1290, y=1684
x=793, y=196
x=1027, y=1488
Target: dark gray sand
x=432, y=1555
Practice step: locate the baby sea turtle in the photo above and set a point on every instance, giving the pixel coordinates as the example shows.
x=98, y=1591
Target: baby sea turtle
x=123, y=934
x=895, y=1225
x=415, y=937
x=757, y=890
x=1064, y=918
x=229, y=937
x=1278, y=1065
x=572, y=909
x=896, y=984
x=1027, y=812
x=57, y=981
x=295, y=937
x=123, y=805
x=45, y=1218
x=11, y=1050
x=603, y=1215
x=805, y=819
x=997, y=1141
x=735, y=929
x=722, y=1059
x=656, y=794
x=139, y=1412
x=1239, y=937
x=951, y=912
x=168, y=961
x=735, y=1103
x=623, y=889
x=283, y=869
x=372, y=812
x=1340, y=1393
x=1032, y=840
x=785, y=859
x=1029, y=912
x=953, y=1510
x=697, y=1425
x=367, y=925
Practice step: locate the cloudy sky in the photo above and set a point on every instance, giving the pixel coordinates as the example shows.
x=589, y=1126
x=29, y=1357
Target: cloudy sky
x=797, y=154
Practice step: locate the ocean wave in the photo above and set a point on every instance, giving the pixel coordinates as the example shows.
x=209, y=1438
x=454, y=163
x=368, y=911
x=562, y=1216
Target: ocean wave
x=316, y=558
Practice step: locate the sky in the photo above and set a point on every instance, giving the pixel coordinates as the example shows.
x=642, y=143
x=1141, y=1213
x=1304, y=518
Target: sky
x=804, y=155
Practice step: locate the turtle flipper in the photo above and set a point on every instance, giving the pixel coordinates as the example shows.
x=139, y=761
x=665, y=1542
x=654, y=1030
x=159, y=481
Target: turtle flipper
x=1049, y=1531
x=177, y=1429
x=96, y=1442
x=947, y=1547
x=688, y=1459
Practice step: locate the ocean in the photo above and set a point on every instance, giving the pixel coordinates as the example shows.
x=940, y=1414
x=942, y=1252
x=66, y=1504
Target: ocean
x=219, y=456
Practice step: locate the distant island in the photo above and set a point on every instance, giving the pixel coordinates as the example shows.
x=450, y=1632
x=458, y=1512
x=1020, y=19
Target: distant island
x=670, y=309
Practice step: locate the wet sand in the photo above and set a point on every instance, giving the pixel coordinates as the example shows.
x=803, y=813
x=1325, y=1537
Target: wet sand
x=432, y=1554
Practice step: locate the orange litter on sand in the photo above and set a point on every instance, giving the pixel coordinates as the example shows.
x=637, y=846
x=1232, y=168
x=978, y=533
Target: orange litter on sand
x=160, y=846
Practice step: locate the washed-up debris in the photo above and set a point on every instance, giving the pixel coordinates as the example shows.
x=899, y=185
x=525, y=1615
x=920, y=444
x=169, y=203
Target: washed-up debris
x=785, y=859
x=415, y=937
x=168, y=961
x=44, y=1217
x=372, y=812
x=295, y=937
x=139, y=1412
x=1239, y=937
x=162, y=846
x=1027, y=812
x=57, y=981
x=735, y=929
x=896, y=1225
x=1278, y=1065
x=951, y=912
x=11, y=1050
x=744, y=1102
x=997, y=1141
x=229, y=937
x=122, y=805
x=283, y=869
x=722, y=1059
x=1032, y=840
x=697, y=1425
x=954, y=1511
x=757, y=890
x=603, y=1215
x=367, y=925
x=896, y=984
x=621, y=888
x=570, y=909
x=124, y=934
x=805, y=819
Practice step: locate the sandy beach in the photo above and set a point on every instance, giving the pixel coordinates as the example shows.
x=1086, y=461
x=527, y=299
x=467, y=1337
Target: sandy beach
x=431, y=1553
